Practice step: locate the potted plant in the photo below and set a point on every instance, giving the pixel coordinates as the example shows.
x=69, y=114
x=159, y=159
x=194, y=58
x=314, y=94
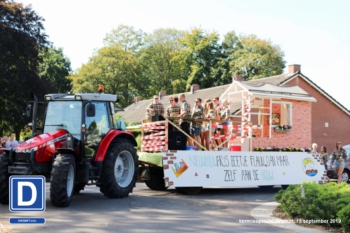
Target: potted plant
x=282, y=128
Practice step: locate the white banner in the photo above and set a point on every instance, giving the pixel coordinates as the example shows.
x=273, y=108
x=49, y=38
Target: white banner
x=230, y=169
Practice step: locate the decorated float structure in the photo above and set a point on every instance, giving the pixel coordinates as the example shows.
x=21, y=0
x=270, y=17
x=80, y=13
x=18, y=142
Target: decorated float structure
x=267, y=144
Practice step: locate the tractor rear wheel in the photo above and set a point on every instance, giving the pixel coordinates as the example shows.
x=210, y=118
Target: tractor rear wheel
x=119, y=170
x=156, y=181
x=62, y=180
x=4, y=179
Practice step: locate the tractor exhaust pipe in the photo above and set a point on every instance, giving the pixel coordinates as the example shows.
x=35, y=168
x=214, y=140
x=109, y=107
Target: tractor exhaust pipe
x=34, y=115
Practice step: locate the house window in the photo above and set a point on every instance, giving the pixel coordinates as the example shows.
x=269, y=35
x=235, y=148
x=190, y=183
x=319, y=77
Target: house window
x=281, y=113
x=286, y=114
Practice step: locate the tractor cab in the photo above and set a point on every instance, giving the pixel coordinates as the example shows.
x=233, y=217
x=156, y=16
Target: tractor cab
x=86, y=117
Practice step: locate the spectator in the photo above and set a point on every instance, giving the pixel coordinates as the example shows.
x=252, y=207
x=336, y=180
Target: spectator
x=172, y=110
x=12, y=142
x=185, y=112
x=314, y=148
x=4, y=140
x=156, y=109
x=324, y=156
x=339, y=156
x=197, y=113
x=1, y=145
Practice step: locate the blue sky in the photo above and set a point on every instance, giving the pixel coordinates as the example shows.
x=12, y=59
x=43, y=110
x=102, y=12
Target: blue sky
x=312, y=33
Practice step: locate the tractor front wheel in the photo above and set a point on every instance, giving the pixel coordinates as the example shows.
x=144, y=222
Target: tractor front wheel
x=62, y=180
x=4, y=179
x=119, y=169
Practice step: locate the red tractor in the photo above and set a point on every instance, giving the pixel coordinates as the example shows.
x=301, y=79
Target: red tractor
x=80, y=145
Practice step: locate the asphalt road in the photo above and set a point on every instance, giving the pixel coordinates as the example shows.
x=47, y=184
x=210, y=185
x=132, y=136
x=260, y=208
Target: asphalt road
x=213, y=210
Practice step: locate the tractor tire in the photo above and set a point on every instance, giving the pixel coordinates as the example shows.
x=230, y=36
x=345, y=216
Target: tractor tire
x=156, y=181
x=119, y=169
x=62, y=180
x=189, y=190
x=78, y=187
x=4, y=179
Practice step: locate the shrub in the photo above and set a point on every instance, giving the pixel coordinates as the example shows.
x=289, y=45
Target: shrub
x=137, y=136
x=344, y=217
x=328, y=201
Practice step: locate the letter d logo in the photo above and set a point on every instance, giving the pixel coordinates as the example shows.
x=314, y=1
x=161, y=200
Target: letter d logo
x=27, y=193
x=20, y=194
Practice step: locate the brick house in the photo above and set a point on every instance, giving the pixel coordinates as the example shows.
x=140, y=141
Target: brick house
x=329, y=120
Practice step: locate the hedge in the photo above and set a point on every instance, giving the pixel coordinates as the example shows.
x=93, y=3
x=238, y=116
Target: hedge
x=329, y=201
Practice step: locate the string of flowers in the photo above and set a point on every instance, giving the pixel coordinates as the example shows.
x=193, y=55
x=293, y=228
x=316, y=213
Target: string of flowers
x=283, y=127
x=284, y=149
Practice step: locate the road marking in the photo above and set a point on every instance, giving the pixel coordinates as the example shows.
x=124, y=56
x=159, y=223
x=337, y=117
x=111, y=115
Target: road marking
x=264, y=213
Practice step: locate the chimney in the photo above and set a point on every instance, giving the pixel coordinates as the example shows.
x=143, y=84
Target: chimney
x=137, y=99
x=194, y=88
x=294, y=68
x=238, y=78
x=162, y=94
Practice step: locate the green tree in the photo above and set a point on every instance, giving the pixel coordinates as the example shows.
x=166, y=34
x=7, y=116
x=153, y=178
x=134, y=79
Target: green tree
x=251, y=57
x=158, y=67
x=21, y=38
x=126, y=37
x=199, y=56
x=112, y=67
x=55, y=68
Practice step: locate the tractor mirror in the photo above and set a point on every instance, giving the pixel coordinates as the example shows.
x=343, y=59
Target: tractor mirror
x=90, y=110
x=29, y=110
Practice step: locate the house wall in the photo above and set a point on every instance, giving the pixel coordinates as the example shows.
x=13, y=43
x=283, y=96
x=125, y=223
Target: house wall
x=299, y=136
x=325, y=111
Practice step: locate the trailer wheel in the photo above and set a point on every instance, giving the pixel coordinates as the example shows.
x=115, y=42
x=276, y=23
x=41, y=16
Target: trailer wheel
x=62, y=180
x=156, y=181
x=4, y=179
x=78, y=187
x=266, y=187
x=119, y=170
x=189, y=190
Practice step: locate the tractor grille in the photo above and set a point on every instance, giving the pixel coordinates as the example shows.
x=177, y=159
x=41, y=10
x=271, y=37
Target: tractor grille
x=22, y=157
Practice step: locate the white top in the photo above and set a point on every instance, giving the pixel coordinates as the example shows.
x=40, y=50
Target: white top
x=12, y=144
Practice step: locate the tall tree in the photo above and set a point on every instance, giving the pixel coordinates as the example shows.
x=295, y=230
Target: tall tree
x=112, y=67
x=55, y=68
x=251, y=57
x=159, y=68
x=21, y=38
x=200, y=54
x=126, y=37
